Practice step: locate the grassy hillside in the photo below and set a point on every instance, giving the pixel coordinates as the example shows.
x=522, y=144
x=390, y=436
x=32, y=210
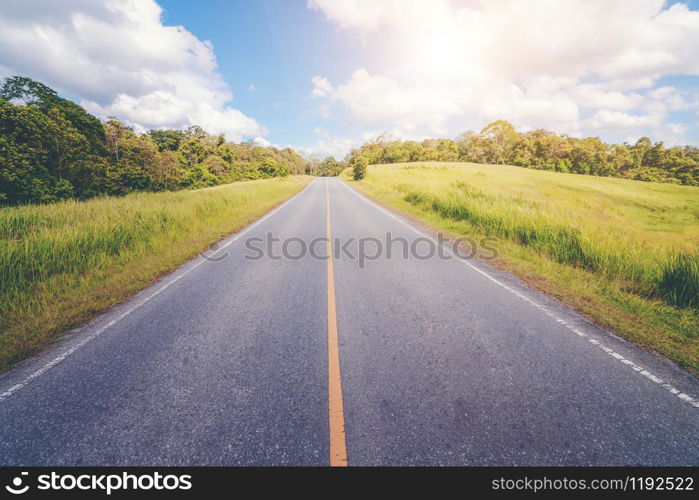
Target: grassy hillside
x=62, y=263
x=625, y=253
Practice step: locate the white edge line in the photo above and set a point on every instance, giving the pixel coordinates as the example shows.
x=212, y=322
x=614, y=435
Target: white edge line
x=9, y=392
x=647, y=374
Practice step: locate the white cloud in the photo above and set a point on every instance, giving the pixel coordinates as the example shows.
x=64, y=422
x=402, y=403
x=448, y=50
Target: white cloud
x=261, y=141
x=607, y=119
x=121, y=60
x=376, y=99
x=367, y=15
x=321, y=87
x=327, y=145
x=575, y=66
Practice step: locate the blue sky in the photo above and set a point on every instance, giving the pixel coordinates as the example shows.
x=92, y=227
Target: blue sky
x=323, y=76
x=277, y=46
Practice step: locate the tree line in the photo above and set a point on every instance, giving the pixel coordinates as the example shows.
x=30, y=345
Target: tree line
x=53, y=149
x=500, y=143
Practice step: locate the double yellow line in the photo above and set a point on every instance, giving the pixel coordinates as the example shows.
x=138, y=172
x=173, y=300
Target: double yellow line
x=336, y=412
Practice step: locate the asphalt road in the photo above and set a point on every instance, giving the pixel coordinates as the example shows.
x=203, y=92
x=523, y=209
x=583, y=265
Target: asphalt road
x=226, y=362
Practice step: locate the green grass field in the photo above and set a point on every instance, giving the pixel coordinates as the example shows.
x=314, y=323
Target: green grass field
x=60, y=264
x=624, y=253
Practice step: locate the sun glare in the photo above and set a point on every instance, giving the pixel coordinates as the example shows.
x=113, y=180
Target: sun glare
x=436, y=54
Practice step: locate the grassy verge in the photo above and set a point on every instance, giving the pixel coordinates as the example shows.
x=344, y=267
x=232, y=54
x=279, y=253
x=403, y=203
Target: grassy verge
x=61, y=264
x=624, y=253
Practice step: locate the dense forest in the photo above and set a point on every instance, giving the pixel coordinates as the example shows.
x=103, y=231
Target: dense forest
x=500, y=143
x=52, y=149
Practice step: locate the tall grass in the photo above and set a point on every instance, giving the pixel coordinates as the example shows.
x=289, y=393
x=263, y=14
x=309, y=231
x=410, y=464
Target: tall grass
x=680, y=279
x=673, y=277
x=62, y=262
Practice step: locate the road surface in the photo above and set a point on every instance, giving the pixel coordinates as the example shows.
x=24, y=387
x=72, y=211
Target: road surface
x=310, y=361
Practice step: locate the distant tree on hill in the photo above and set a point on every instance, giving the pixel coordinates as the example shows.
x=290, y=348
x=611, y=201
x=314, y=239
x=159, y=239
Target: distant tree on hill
x=329, y=167
x=499, y=143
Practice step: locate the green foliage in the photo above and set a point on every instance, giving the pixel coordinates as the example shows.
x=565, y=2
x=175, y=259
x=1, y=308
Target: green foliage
x=28, y=91
x=35, y=94
x=52, y=149
x=271, y=168
x=500, y=143
x=166, y=140
x=358, y=163
x=27, y=160
x=329, y=167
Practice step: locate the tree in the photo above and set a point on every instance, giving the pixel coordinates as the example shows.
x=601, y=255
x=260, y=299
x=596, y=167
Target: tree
x=502, y=137
x=136, y=165
x=472, y=147
x=621, y=159
x=192, y=152
x=195, y=132
x=358, y=163
x=639, y=150
x=329, y=167
x=589, y=156
x=28, y=91
x=36, y=94
x=167, y=174
x=66, y=143
x=84, y=123
x=24, y=155
x=114, y=132
x=216, y=165
x=167, y=140
x=271, y=168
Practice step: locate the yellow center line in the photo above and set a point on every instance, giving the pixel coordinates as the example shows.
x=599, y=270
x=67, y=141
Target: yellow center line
x=336, y=412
